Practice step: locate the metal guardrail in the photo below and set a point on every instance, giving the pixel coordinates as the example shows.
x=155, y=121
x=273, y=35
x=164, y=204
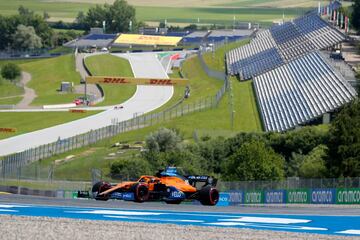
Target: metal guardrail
x=7, y=106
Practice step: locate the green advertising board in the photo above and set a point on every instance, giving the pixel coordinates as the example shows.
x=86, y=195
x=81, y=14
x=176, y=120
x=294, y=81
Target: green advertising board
x=252, y=197
x=348, y=196
x=298, y=195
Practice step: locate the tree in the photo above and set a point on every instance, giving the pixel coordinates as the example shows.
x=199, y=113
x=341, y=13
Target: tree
x=254, y=161
x=46, y=15
x=6, y=32
x=314, y=165
x=24, y=11
x=59, y=38
x=355, y=17
x=163, y=140
x=130, y=168
x=117, y=17
x=300, y=141
x=344, y=142
x=10, y=71
x=26, y=38
x=9, y=25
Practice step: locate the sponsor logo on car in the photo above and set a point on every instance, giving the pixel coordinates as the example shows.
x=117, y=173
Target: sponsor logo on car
x=129, y=196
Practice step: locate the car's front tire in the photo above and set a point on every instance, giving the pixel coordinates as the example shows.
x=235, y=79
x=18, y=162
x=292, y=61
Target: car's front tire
x=98, y=188
x=141, y=192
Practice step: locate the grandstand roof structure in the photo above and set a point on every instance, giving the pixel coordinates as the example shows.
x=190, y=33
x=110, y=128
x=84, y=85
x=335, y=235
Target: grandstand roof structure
x=138, y=39
x=300, y=91
x=280, y=44
x=98, y=40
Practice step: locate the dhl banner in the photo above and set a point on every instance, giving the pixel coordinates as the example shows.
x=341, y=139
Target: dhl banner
x=77, y=110
x=138, y=39
x=137, y=81
x=7, y=130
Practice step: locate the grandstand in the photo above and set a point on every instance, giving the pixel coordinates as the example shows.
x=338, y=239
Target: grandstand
x=227, y=35
x=91, y=40
x=280, y=44
x=293, y=82
x=300, y=91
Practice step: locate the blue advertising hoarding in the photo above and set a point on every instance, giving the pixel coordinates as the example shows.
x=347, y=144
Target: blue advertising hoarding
x=323, y=195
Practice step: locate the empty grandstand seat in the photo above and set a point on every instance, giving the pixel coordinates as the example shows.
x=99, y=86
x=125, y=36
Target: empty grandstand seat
x=291, y=40
x=300, y=91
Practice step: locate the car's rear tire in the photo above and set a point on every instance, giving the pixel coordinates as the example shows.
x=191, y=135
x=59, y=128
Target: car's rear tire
x=100, y=187
x=209, y=196
x=141, y=192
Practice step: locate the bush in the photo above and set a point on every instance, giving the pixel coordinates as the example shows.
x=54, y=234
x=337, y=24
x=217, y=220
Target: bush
x=314, y=165
x=130, y=168
x=163, y=140
x=10, y=71
x=254, y=161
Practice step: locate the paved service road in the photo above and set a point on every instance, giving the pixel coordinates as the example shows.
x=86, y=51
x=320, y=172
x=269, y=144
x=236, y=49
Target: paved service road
x=145, y=99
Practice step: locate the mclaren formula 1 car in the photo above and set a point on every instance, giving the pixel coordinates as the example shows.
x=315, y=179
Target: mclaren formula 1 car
x=167, y=185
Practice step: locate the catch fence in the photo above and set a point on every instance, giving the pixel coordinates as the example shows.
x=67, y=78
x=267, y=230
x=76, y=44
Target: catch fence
x=291, y=183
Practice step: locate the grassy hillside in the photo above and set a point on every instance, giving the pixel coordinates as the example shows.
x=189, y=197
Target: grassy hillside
x=175, y=11
x=47, y=75
x=8, y=89
x=216, y=61
x=213, y=122
x=201, y=85
x=246, y=114
x=109, y=65
x=31, y=121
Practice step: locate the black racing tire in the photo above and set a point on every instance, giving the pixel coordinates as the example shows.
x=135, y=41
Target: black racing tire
x=209, y=196
x=173, y=202
x=101, y=187
x=141, y=192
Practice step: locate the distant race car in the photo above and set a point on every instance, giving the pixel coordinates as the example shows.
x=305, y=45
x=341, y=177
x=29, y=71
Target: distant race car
x=167, y=185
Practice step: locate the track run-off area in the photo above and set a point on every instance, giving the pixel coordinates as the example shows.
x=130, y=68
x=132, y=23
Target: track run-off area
x=145, y=99
x=312, y=219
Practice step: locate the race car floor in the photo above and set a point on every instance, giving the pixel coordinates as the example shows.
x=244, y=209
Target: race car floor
x=321, y=220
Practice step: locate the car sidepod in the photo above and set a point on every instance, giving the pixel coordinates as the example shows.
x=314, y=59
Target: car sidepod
x=173, y=194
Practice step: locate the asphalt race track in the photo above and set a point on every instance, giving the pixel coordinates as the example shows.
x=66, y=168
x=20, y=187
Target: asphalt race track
x=145, y=99
x=319, y=220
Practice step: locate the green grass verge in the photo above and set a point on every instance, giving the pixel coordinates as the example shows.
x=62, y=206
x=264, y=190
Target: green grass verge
x=210, y=15
x=109, y=65
x=61, y=49
x=47, y=75
x=216, y=60
x=10, y=100
x=32, y=121
x=201, y=85
x=8, y=89
x=246, y=114
x=218, y=15
x=18, y=61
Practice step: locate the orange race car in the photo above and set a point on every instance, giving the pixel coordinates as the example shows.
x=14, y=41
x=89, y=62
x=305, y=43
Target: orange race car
x=167, y=185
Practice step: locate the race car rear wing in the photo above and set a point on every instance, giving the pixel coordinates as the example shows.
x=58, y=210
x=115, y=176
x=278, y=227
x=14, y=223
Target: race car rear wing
x=208, y=180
